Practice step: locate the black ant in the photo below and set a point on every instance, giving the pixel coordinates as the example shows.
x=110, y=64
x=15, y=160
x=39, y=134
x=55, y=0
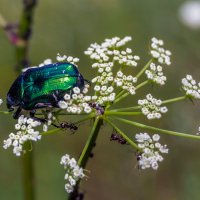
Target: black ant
x=100, y=109
x=67, y=125
x=116, y=137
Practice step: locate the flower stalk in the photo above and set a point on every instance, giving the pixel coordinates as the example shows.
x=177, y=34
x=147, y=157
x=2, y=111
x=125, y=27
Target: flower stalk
x=168, y=132
x=28, y=172
x=134, y=145
x=86, y=152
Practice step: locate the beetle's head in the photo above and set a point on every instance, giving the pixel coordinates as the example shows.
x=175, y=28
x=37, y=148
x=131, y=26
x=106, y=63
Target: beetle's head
x=12, y=102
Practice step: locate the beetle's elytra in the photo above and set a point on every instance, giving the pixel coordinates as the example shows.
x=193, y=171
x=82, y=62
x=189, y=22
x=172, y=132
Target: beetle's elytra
x=45, y=86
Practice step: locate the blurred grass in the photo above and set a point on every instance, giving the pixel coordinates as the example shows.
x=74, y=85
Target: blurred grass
x=68, y=27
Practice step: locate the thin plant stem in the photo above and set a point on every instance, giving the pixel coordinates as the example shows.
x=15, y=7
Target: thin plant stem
x=77, y=122
x=24, y=33
x=85, y=154
x=28, y=171
x=120, y=93
x=52, y=131
x=122, y=134
x=141, y=84
x=21, y=52
x=179, y=134
x=5, y=112
x=125, y=109
x=92, y=115
x=144, y=68
x=174, y=100
x=127, y=93
x=122, y=113
x=57, y=114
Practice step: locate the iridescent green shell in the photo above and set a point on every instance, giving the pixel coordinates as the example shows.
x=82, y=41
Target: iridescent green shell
x=44, y=86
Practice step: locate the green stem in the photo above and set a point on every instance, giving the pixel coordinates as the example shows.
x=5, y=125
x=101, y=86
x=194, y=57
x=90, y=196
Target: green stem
x=92, y=115
x=125, y=109
x=28, y=172
x=122, y=134
x=157, y=129
x=141, y=84
x=120, y=93
x=57, y=114
x=5, y=112
x=85, y=154
x=24, y=33
x=138, y=107
x=144, y=68
x=127, y=93
x=90, y=143
x=174, y=100
x=122, y=113
x=77, y=122
x=50, y=131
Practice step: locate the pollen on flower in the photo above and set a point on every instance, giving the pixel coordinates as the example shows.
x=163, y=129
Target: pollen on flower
x=191, y=87
x=159, y=53
x=24, y=133
x=151, y=107
x=73, y=172
x=150, y=150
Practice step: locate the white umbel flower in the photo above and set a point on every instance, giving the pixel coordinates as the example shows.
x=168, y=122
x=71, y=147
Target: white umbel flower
x=73, y=172
x=24, y=133
x=150, y=151
x=151, y=107
x=155, y=74
x=191, y=87
x=159, y=53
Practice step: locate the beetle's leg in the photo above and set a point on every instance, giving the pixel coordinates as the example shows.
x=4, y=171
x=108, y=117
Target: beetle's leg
x=17, y=113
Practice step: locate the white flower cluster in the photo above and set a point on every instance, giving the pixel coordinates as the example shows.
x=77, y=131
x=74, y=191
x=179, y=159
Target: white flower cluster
x=151, y=150
x=77, y=102
x=191, y=87
x=159, y=53
x=65, y=58
x=24, y=133
x=1, y=101
x=155, y=73
x=151, y=107
x=105, y=56
x=125, y=82
x=104, y=91
x=109, y=51
x=49, y=117
x=73, y=174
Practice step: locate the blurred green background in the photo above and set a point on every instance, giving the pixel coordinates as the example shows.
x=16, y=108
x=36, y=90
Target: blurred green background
x=68, y=27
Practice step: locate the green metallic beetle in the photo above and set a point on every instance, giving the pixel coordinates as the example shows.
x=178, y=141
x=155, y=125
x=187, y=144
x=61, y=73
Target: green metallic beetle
x=40, y=87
